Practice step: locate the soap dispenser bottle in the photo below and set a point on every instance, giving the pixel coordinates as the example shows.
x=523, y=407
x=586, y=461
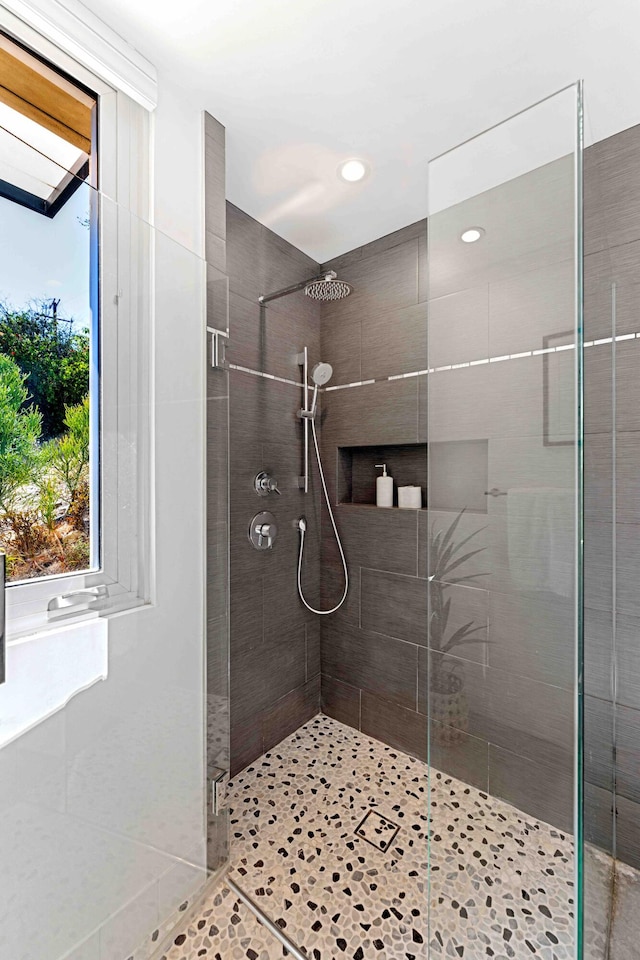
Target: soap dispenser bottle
x=384, y=488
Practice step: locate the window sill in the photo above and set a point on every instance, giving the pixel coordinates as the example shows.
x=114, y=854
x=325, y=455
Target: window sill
x=42, y=625
x=46, y=669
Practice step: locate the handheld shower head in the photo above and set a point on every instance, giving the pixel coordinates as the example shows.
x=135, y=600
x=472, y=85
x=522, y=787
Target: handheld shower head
x=321, y=374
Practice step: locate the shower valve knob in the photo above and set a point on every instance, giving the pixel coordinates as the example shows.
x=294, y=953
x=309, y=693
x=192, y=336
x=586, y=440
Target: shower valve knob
x=264, y=484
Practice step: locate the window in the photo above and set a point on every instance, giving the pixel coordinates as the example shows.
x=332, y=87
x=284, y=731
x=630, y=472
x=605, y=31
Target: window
x=75, y=300
x=49, y=328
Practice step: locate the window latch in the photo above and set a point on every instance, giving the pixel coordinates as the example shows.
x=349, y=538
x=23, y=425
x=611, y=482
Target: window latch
x=78, y=598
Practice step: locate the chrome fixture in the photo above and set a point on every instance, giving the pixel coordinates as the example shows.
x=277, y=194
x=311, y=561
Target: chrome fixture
x=264, y=484
x=321, y=374
x=219, y=781
x=325, y=287
x=494, y=492
x=263, y=530
x=219, y=343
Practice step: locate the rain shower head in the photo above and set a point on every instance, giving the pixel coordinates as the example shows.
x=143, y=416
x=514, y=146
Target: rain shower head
x=324, y=288
x=327, y=288
x=321, y=374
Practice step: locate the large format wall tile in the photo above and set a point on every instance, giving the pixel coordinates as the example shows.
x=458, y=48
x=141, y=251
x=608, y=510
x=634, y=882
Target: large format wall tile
x=385, y=412
x=260, y=262
x=533, y=718
x=380, y=664
x=608, y=312
x=394, y=342
x=386, y=539
x=471, y=528
x=612, y=191
x=628, y=831
x=627, y=559
x=275, y=646
x=541, y=788
x=628, y=660
x=341, y=701
x=527, y=308
x=384, y=283
x=270, y=338
x=533, y=638
x=458, y=404
x=290, y=712
x=508, y=293
x=452, y=338
x=394, y=605
x=394, y=725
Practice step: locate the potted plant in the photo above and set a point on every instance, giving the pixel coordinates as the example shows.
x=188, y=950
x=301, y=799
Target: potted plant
x=447, y=702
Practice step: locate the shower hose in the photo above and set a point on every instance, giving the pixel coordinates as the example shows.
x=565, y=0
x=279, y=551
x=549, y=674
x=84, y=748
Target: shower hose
x=321, y=613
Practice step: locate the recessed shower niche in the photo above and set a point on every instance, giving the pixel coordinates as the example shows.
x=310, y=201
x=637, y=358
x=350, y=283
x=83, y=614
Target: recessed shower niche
x=456, y=472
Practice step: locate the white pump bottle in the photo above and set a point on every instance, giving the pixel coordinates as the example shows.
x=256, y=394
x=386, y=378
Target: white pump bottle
x=384, y=488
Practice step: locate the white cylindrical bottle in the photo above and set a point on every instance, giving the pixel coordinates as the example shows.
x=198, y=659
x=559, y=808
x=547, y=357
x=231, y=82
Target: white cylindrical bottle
x=384, y=488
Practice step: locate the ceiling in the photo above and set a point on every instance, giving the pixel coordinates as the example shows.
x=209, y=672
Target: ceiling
x=303, y=84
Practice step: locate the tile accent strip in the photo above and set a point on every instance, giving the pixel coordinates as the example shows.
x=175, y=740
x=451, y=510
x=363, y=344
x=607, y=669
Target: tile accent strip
x=604, y=341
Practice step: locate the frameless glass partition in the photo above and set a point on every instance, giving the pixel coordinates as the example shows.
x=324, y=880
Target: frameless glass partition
x=501, y=403
x=103, y=788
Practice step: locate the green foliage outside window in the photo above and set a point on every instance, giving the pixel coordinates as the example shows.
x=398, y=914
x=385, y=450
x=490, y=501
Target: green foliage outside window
x=44, y=444
x=53, y=356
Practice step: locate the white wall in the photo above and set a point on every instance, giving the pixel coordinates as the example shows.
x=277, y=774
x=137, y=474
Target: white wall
x=101, y=805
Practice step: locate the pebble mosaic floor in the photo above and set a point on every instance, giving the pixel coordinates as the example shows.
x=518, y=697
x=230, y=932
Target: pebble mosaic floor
x=342, y=884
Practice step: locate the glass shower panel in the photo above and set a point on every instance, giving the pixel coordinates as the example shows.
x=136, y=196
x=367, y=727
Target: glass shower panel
x=501, y=534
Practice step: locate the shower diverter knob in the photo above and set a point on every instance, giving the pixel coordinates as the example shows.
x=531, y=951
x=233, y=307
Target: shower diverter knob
x=263, y=530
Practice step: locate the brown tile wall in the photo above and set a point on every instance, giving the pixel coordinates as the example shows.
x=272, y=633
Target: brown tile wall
x=275, y=642
x=515, y=737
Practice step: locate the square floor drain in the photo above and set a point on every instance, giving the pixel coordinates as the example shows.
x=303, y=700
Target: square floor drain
x=377, y=830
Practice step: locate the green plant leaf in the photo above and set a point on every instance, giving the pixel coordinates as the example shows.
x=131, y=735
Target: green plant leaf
x=468, y=576
x=456, y=547
x=463, y=635
x=462, y=560
x=452, y=529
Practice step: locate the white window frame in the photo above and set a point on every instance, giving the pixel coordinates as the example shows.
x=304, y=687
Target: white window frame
x=121, y=435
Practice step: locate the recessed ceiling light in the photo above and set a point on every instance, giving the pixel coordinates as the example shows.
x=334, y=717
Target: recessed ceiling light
x=471, y=234
x=353, y=170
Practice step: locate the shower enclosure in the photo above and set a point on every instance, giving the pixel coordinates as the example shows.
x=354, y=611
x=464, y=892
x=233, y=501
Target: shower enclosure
x=444, y=763
x=407, y=771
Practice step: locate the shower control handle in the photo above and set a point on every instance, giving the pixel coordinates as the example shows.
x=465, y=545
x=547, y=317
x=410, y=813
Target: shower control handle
x=263, y=531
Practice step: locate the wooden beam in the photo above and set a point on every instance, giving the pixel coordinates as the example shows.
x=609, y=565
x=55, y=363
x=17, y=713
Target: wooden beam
x=54, y=106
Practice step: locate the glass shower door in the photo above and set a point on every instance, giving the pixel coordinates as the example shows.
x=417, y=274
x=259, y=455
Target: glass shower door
x=501, y=537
